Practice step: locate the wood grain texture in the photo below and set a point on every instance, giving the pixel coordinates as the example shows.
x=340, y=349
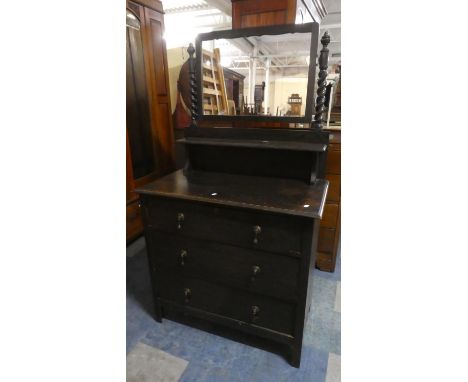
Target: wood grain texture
x=284, y=196
x=334, y=188
x=330, y=230
x=248, y=13
x=330, y=214
x=150, y=143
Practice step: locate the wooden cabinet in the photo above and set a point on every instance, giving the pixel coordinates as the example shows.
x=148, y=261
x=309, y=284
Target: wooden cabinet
x=254, y=13
x=329, y=234
x=224, y=254
x=149, y=140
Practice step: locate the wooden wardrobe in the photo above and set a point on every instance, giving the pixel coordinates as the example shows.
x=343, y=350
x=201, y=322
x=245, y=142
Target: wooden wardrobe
x=150, y=141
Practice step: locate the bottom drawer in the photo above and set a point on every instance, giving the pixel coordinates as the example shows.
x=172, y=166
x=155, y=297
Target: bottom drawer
x=243, y=306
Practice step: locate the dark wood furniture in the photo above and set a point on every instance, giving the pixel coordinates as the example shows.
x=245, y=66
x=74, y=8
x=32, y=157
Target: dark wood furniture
x=149, y=141
x=234, y=83
x=330, y=225
x=232, y=238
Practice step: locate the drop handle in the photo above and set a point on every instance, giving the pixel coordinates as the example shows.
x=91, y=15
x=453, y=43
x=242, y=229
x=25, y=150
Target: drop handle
x=183, y=257
x=188, y=295
x=255, y=271
x=255, y=313
x=257, y=230
x=180, y=220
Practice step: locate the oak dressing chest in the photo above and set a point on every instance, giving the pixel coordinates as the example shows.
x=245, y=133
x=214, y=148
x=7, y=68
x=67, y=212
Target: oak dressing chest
x=232, y=237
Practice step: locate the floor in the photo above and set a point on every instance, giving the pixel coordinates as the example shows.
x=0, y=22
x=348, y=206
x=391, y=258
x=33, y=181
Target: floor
x=169, y=351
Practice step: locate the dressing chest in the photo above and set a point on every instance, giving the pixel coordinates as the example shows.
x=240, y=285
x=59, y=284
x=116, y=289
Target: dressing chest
x=232, y=237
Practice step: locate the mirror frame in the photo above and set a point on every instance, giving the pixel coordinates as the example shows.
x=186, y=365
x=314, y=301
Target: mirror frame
x=312, y=28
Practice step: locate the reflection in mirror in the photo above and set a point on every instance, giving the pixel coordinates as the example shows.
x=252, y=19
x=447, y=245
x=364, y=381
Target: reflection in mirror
x=258, y=75
x=132, y=20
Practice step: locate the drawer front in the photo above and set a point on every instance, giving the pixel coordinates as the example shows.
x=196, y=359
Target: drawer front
x=255, y=271
x=330, y=214
x=225, y=225
x=333, y=160
x=243, y=306
x=326, y=239
x=334, y=188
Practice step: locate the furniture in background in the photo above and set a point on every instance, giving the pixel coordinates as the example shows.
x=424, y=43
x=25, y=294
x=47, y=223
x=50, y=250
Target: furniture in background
x=149, y=136
x=254, y=13
x=335, y=113
x=329, y=234
x=295, y=103
x=234, y=82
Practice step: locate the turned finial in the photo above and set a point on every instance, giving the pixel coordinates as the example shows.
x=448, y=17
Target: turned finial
x=322, y=82
x=193, y=84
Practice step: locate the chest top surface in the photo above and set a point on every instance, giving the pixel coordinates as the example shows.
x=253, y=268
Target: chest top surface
x=284, y=196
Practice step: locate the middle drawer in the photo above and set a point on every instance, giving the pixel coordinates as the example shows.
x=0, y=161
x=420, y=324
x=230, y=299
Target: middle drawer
x=256, y=271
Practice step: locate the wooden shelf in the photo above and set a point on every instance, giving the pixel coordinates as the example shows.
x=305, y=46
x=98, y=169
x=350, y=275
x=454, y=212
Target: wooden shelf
x=284, y=196
x=256, y=143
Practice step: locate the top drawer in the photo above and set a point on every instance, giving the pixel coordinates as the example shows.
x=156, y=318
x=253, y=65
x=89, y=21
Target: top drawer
x=225, y=225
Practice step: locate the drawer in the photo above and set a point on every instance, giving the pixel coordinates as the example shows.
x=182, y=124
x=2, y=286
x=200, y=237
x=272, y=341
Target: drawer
x=326, y=239
x=239, y=305
x=134, y=222
x=333, y=160
x=225, y=225
x=256, y=271
x=334, y=188
x=330, y=215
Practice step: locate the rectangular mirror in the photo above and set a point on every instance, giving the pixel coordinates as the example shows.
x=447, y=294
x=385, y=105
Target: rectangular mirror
x=262, y=73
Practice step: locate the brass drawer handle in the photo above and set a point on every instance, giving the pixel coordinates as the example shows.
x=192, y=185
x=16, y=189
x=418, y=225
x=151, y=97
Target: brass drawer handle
x=188, y=295
x=257, y=230
x=255, y=313
x=183, y=257
x=180, y=220
x=255, y=271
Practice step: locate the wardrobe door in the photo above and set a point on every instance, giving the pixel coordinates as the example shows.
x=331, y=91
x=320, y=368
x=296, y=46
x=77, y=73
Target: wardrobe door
x=157, y=59
x=140, y=134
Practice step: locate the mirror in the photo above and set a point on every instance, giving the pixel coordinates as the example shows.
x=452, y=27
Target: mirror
x=259, y=73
